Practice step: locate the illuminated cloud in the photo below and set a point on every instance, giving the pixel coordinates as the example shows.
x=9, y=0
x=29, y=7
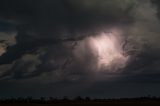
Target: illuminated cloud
x=104, y=51
x=6, y=39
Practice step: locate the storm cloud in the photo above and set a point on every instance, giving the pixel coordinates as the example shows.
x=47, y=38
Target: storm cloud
x=38, y=39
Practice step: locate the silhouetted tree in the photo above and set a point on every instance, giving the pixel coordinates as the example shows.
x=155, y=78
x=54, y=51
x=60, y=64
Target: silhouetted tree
x=78, y=98
x=42, y=100
x=29, y=99
x=65, y=98
x=87, y=98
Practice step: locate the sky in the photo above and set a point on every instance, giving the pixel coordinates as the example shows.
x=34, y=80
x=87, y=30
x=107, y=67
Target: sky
x=96, y=48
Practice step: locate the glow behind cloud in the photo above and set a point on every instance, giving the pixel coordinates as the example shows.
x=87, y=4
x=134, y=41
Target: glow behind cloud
x=109, y=51
x=103, y=51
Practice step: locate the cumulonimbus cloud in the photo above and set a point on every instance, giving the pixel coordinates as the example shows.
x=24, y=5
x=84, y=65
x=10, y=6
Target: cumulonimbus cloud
x=53, y=29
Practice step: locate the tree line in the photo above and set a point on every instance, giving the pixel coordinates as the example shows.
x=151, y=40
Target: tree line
x=77, y=99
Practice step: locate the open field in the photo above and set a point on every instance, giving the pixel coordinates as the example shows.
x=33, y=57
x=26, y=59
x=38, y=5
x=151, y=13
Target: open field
x=92, y=103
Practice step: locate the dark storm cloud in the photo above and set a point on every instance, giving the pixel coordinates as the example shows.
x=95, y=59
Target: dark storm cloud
x=38, y=37
x=42, y=24
x=44, y=28
x=157, y=4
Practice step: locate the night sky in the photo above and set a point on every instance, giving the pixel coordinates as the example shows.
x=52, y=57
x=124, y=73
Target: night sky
x=96, y=48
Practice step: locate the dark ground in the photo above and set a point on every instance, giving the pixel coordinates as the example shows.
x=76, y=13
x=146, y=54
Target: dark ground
x=113, y=102
x=86, y=104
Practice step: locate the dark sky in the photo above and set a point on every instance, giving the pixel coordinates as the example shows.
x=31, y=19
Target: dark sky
x=38, y=40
